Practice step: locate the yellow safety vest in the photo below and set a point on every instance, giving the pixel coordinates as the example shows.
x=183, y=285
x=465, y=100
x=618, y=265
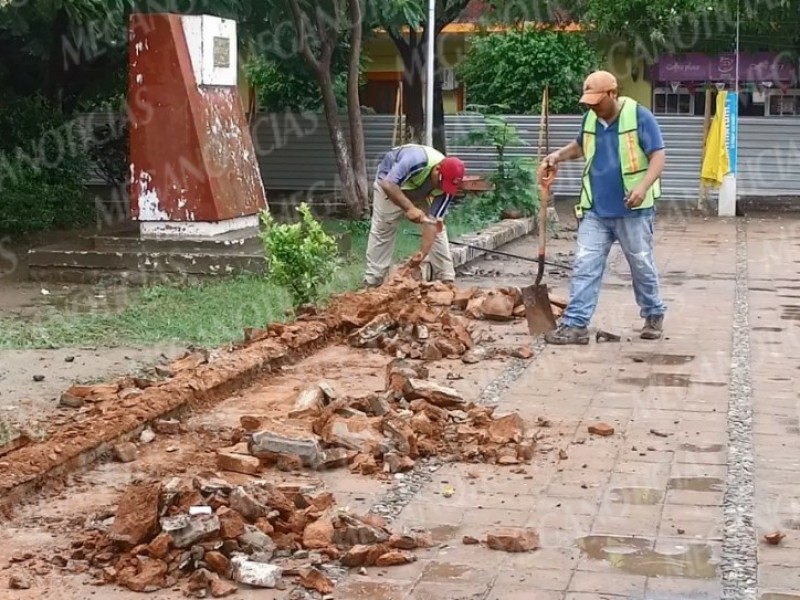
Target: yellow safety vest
x=632, y=159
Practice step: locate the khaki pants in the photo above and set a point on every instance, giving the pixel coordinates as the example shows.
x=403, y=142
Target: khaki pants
x=386, y=218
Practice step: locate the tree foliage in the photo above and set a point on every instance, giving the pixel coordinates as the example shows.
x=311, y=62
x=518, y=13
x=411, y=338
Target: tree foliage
x=652, y=27
x=513, y=68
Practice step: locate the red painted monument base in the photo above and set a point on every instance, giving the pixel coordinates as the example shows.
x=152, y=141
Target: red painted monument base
x=193, y=167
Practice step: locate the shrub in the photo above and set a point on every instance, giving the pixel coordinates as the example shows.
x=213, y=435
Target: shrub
x=43, y=169
x=514, y=179
x=301, y=257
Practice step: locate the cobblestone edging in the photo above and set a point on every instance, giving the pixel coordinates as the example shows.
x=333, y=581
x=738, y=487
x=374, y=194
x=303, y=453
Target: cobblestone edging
x=739, y=563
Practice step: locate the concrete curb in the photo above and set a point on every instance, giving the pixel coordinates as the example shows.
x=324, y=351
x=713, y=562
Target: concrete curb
x=491, y=238
x=73, y=448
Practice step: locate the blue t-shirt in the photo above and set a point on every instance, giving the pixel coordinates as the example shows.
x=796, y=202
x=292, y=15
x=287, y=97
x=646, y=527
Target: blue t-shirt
x=605, y=175
x=402, y=163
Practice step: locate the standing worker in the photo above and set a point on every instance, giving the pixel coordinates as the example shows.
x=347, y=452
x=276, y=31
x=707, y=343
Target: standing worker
x=410, y=174
x=624, y=151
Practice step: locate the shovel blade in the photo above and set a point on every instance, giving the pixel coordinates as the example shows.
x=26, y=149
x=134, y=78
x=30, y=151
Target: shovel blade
x=538, y=310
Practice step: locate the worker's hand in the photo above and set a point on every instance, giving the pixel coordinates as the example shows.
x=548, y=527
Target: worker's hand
x=547, y=169
x=416, y=260
x=636, y=197
x=415, y=215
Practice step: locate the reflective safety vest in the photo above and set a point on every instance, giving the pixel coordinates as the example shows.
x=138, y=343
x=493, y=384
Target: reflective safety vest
x=632, y=159
x=419, y=178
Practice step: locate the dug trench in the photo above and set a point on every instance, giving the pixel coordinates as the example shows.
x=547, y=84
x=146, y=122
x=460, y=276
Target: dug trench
x=270, y=485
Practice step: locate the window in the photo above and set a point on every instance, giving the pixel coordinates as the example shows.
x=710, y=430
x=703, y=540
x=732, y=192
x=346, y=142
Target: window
x=669, y=102
x=781, y=104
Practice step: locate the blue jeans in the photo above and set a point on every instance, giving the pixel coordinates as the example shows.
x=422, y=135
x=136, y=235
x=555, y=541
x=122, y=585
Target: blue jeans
x=596, y=235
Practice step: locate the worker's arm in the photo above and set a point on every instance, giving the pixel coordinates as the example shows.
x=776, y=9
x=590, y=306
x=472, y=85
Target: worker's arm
x=652, y=143
x=571, y=151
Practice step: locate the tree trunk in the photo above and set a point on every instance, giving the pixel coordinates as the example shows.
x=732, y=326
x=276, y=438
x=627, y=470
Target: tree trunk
x=359, y=154
x=341, y=151
x=54, y=84
x=439, y=135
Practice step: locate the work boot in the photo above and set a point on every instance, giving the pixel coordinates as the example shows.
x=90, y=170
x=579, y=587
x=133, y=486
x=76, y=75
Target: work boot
x=653, y=326
x=567, y=335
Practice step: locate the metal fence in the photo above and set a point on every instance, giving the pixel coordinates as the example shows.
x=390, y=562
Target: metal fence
x=295, y=151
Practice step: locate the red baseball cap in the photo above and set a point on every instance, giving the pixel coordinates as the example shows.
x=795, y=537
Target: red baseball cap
x=451, y=173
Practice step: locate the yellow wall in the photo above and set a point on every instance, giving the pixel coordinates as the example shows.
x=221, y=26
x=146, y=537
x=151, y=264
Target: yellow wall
x=383, y=56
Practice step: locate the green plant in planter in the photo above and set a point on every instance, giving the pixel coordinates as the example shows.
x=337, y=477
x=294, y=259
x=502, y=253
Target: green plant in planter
x=514, y=179
x=301, y=257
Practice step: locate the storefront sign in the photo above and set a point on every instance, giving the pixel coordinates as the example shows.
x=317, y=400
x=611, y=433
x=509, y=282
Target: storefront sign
x=759, y=66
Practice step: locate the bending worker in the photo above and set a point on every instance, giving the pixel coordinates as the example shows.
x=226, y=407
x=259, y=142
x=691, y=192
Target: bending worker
x=407, y=175
x=624, y=151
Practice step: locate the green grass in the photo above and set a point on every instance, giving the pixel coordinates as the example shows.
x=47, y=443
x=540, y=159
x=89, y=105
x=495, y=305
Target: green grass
x=207, y=314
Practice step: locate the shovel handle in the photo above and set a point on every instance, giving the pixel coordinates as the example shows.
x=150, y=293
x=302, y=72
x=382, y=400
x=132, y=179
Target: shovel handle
x=544, y=192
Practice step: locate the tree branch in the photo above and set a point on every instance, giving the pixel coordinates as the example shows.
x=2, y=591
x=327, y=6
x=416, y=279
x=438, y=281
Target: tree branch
x=299, y=24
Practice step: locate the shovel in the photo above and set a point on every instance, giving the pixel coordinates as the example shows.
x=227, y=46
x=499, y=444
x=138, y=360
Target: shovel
x=538, y=310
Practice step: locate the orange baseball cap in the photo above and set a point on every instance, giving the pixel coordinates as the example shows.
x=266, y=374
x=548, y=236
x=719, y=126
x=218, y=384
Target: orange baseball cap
x=596, y=86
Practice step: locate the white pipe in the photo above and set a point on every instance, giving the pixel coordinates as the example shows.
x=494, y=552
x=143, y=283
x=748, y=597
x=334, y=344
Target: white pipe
x=429, y=68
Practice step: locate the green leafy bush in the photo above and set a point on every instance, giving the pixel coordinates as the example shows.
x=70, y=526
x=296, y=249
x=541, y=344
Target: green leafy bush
x=43, y=169
x=514, y=179
x=508, y=71
x=301, y=257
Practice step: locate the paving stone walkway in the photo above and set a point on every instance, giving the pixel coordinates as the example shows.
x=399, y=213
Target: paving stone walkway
x=704, y=460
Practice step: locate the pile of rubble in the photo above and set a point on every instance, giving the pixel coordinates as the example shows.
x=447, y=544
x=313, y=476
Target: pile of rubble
x=382, y=432
x=207, y=531
x=429, y=329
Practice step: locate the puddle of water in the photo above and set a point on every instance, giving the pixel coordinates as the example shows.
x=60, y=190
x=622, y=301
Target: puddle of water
x=439, y=570
x=662, y=359
x=633, y=556
x=636, y=495
x=770, y=329
x=696, y=448
x=791, y=312
x=659, y=380
x=443, y=533
x=696, y=484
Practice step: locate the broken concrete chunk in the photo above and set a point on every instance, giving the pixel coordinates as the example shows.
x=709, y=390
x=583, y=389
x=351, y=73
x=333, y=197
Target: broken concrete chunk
x=513, y=540
x=237, y=463
x=603, y=429
x=245, y=504
x=421, y=332
x=328, y=391
x=359, y=434
x=126, y=452
x=438, y=395
x=231, y=523
x=168, y=426
x=147, y=436
x=357, y=533
x=199, y=528
x=476, y=355
x=431, y=352
x=474, y=308
x=313, y=579
x=136, y=519
x=319, y=534
x=268, y=443
x=309, y=403
x=209, y=482
x=149, y=576
x=394, y=558
x=369, y=334
x=379, y=404
x=253, y=541
x=462, y=297
x=507, y=429
x=498, y=306
x=256, y=574
x=71, y=400
x=440, y=298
